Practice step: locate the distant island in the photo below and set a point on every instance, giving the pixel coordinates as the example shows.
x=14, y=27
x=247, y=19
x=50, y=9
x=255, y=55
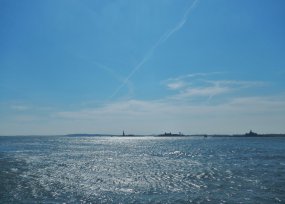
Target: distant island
x=87, y=135
x=169, y=134
x=251, y=134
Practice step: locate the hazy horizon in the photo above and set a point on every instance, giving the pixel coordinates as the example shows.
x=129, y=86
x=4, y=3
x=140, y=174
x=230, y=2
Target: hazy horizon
x=146, y=67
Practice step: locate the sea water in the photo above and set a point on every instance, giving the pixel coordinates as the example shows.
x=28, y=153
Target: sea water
x=62, y=169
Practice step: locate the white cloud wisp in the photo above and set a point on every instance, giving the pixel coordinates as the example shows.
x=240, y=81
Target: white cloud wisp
x=190, y=109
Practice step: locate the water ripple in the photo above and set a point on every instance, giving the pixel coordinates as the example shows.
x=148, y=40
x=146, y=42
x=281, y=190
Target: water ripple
x=143, y=170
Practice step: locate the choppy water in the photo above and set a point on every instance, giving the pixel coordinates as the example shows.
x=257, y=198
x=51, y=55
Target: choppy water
x=141, y=170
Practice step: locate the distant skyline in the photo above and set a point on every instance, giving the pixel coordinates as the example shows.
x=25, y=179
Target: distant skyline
x=145, y=67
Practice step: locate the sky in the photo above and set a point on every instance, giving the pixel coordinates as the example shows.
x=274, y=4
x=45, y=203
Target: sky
x=145, y=67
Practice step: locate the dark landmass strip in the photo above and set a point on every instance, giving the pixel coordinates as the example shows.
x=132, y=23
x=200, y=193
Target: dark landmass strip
x=249, y=134
x=244, y=135
x=102, y=135
x=87, y=135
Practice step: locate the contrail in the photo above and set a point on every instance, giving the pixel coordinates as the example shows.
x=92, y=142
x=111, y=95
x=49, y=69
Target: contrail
x=179, y=25
x=107, y=69
x=161, y=40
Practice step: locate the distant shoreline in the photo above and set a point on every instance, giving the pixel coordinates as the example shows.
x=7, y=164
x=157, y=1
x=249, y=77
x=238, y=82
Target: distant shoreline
x=155, y=135
x=176, y=135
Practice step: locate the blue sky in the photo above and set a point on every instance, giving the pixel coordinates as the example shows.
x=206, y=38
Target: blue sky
x=70, y=66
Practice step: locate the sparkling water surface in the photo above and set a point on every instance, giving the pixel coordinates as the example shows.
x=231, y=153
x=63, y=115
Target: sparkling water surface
x=142, y=170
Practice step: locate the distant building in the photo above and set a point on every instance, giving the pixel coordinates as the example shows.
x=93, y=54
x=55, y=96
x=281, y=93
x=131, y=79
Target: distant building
x=250, y=133
x=169, y=134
